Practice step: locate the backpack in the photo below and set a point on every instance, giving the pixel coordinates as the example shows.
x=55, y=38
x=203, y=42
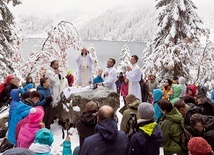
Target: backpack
x=132, y=124
x=185, y=136
x=5, y=145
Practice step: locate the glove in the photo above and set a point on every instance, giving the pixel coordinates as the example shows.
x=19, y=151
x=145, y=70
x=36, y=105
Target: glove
x=49, y=99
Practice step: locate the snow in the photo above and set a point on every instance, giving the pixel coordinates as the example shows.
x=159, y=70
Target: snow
x=56, y=129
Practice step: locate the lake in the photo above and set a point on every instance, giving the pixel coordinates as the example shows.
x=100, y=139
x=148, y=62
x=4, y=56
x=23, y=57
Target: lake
x=104, y=50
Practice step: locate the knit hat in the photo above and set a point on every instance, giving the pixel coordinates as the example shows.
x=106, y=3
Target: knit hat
x=36, y=114
x=146, y=111
x=69, y=72
x=44, y=136
x=199, y=146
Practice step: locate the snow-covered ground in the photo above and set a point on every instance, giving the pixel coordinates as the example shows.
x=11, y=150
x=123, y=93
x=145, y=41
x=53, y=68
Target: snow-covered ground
x=57, y=132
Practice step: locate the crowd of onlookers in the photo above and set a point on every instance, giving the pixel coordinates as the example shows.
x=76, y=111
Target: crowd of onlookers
x=148, y=123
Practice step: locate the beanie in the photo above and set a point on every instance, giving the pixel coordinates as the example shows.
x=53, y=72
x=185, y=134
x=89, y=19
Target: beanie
x=199, y=146
x=69, y=72
x=146, y=111
x=36, y=114
x=44, y=136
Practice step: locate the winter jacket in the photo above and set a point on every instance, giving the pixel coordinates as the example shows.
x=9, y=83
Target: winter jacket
x=144, y=90
x=176, y=93
x=44, y=92
x=98, y=79
x=124, y=89
x=166, y=91
x=70, y=79
x=206, y=106
x=170, y=127
x=181, y=82
x=19, y=125
x=67, y=148
x=86, y=126
x=147, y=140
x=208, y=134
x=131, y=108
x=42, y=142
x=212, y=96
x=21, y=111
x=157, y=95
x=26, y=88
x=27, y=134
x=5, y=94
x=107, y=140
x=15, y=99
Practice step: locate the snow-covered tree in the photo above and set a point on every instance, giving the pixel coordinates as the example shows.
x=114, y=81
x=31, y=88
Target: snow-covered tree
x=124, y=59
x=60, y=38
x=95, y=66
x=10, y=54
x=172, y=51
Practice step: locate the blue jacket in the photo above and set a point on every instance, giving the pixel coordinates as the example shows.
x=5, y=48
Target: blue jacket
x=21, y=111
x=147, y=140
x=66, y=148
x=98, y=79
x=14, y=94
x=44, y=92
x=212, y=96
x=107, y=140
x=157, y=95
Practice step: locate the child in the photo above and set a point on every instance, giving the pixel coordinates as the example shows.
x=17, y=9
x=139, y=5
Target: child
x=27, y=132
x=43, y=141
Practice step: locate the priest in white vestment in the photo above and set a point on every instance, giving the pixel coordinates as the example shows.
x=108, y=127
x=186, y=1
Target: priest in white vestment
x=134, y=75
x=109, y=75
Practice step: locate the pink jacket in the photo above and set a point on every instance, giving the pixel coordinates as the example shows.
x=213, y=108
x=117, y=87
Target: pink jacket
x=124, y=89
x=27, y=134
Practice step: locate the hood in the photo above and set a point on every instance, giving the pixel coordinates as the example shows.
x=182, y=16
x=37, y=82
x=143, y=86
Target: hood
x=181, y=80
x=107, y=128
x=15, y=95
x=88, y=118
x=192, y=88
x=176, y=90
x=19, y=151
x=134, y=104
x=8, y=79
x=21, y=107
x=174, y=116
x=202, y=92
x=157, y=94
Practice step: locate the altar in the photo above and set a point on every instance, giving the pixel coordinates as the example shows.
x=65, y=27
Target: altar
x=73, y=101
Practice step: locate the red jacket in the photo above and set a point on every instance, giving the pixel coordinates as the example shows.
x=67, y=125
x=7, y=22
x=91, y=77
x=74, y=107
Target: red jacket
x=70, y=79
x=124, y=89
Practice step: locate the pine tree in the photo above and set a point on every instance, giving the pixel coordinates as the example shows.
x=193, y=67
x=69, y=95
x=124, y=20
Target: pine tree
x=124, y=59
x=60, y=38
x=172, y=51
x=10, y=55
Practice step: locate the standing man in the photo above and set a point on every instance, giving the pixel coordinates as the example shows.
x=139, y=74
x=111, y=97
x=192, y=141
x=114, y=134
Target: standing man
x=110, y=75
x=53, y=74
x=107, y=139
x=134, y=76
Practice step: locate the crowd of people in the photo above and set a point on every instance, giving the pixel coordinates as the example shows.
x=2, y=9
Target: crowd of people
x=152, y=115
